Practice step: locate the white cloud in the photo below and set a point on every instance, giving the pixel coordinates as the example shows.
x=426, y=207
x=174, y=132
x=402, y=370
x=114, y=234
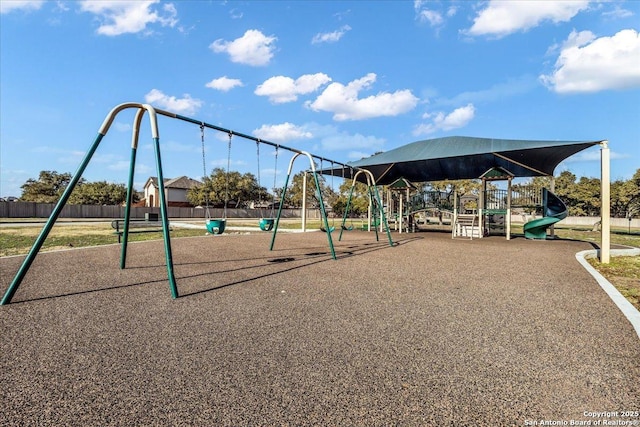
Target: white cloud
x=121, y=165
x=499, y=91
x=224, y=84
x=179, y=147
x=501, y=18
x=184, y=105
x=122, y=127
x=281, y=89
x=331, y=37
x=253, y=48
x=618, y=13
x=122, y=17
x=343, y=141
x=594, y=156
x=235, y=14
x=26, y=5
x=426, y=12
x=343, y=101
x=458, y=118
x=357, y=155
x=282, y=132
x=222, y=163
x=590, y=64
x=330, y=138
x=433, y=17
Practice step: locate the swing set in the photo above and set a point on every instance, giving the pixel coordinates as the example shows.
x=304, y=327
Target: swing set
x=215, y=226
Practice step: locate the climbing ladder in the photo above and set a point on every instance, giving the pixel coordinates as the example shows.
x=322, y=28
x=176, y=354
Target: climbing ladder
x=467, y=226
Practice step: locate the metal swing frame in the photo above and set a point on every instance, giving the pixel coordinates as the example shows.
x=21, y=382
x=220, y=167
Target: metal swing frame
x=323, y=211
x=155, y=134
x=372, y=190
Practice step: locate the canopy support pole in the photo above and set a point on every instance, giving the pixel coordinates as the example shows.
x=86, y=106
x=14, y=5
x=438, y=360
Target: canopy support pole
x=482, y=215
x=508, y=214
x=605, y=202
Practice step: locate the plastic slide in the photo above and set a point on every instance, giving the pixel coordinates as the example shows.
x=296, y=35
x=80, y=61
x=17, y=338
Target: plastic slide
x=554, y=210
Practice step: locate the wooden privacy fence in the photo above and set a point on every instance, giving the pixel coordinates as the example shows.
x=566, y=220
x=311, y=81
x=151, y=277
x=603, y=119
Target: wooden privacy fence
x=43, y=210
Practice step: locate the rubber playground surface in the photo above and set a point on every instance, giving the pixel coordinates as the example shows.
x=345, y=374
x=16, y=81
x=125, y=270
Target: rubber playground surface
x=430, y=332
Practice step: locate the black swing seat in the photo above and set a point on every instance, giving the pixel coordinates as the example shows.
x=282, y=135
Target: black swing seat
x=344, y=227
x=325, y=230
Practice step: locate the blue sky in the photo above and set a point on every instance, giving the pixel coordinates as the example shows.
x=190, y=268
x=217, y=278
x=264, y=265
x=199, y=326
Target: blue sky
x=339, y=79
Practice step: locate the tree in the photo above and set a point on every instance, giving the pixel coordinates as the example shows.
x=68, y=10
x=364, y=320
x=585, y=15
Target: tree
x=100, y=193
x=235, y=189
x=582, y=197
x=359, y=203
x=48, y=188
x=462, y=186
x=625, y=197
x=565, y=189
x=586, y=197
x=634, y=190
x=296, y=194
x=50, y=185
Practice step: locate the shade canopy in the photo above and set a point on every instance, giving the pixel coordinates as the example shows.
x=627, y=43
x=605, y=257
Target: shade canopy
x=461, y=157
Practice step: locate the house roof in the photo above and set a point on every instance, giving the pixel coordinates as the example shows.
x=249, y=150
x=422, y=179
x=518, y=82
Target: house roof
x=182, y=182
x=461, y=157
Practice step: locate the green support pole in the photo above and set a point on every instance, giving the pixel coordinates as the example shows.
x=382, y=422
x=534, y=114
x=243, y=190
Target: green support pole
x=26, y=264
x=132, y=166
x=324, y=215
x=383, y=217
x=375, y=214
x=346, y=211
x=275, y=226
x=165, y=220
x=127, y=210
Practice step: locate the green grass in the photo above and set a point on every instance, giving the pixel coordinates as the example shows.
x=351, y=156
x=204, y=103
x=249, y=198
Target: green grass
x=621, y=272
x=618, y=236
x=18, y=240
x=624, y=274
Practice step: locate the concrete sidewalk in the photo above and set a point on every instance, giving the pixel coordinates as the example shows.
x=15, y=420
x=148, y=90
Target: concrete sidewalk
x=431, y=332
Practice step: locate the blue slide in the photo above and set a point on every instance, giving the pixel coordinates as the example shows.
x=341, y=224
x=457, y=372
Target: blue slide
x=554, y=210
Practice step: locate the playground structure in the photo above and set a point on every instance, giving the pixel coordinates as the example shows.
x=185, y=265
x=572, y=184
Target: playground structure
x=465, y=157
x=449, y=158
x=375, y=206
x=474, y=216
x=215, y=226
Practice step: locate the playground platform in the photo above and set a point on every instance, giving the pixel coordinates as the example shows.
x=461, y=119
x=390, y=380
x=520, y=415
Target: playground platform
x=431, y=332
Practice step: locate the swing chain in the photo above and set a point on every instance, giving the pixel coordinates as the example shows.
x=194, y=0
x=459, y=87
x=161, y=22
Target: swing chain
x=204, y=162
x=204, y=171
x=226, y=194
x=259, y=183
x=332, y=192
x=275, y=176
